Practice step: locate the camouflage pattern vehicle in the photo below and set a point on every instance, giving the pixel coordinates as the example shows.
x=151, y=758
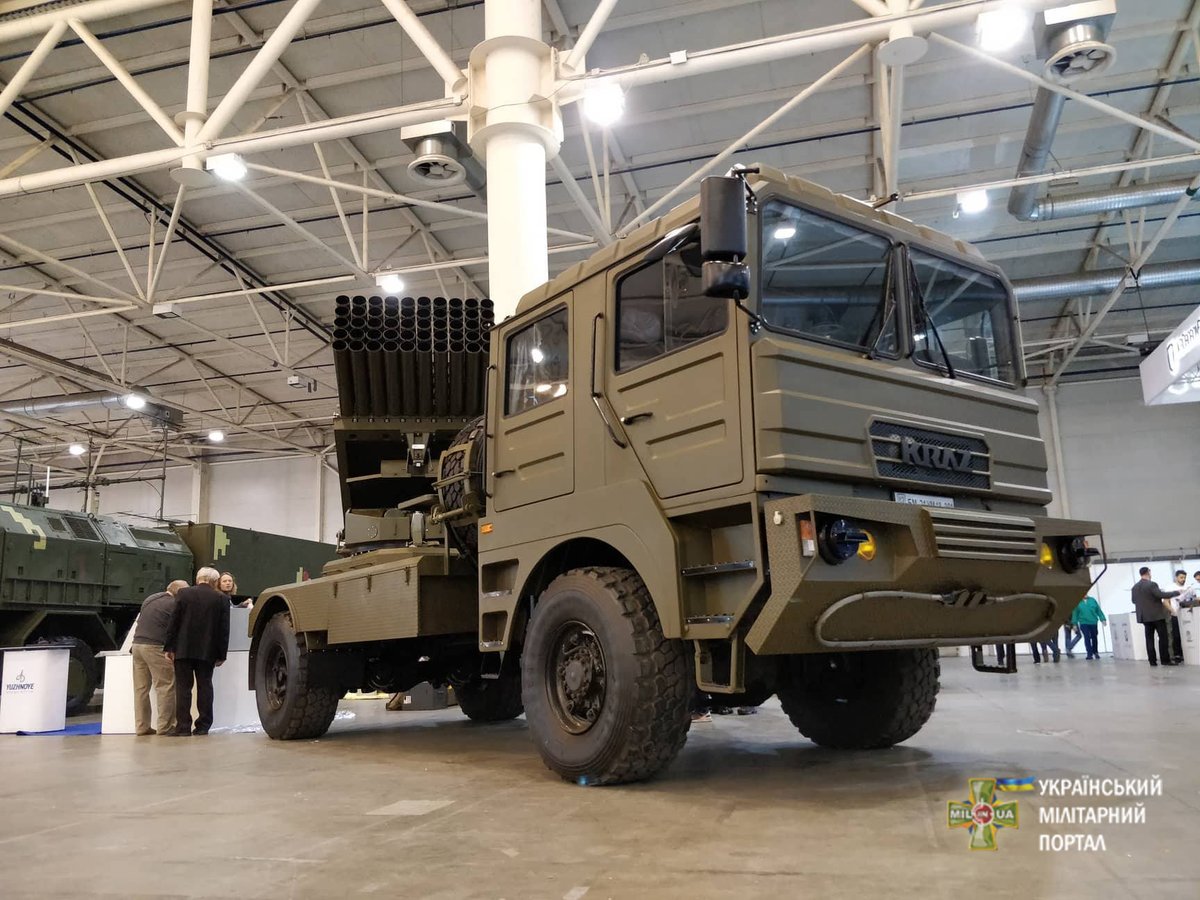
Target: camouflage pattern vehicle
x=80, y=579
x=773, y=443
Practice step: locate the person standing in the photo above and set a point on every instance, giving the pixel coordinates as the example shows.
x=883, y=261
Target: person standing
x=228, y=586
x=1152, y=611
x=197, y=641
x=1087, y=617
x=151, y=668
x=1173, y=629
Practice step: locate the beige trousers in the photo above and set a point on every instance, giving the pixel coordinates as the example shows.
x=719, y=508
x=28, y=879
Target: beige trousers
x=151, y=666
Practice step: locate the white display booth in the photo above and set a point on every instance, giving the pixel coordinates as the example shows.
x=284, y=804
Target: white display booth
x=234, y=703
x=33, y=692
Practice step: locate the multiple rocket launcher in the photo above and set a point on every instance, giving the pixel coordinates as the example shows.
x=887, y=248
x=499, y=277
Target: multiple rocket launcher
x=411, y=356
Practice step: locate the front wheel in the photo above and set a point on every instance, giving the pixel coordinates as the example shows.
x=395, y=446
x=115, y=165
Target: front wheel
x=292, y=703
x=860, y=701
x=606, y=694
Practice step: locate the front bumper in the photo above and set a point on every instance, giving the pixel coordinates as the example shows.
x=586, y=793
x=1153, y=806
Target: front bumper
x=940, y=577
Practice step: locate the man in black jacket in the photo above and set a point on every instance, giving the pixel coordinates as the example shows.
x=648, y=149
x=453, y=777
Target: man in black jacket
x=1152, y=612
x=197, y=640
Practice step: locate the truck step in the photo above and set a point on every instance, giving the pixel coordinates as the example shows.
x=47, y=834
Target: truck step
x=741, y=565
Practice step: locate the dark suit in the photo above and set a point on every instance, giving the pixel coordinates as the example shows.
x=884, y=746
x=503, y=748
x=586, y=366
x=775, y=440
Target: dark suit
x=1148, y=602
x=198, y=635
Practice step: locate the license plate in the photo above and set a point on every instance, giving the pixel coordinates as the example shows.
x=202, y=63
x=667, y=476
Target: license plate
x=924, y=500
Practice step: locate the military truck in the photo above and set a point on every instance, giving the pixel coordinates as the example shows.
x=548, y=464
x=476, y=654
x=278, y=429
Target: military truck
x=774, y=443
x=79, y=579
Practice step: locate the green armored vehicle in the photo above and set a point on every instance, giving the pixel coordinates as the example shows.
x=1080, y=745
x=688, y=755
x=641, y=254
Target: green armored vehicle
x=773, y=443
x=79, y=579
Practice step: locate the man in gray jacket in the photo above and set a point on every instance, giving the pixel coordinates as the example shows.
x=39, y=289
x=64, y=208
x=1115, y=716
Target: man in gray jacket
x=1153, y=612
x=151, y=668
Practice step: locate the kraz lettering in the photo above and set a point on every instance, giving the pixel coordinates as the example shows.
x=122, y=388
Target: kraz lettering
x=931, y=456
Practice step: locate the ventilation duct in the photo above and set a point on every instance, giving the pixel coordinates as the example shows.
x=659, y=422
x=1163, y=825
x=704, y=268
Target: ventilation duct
x=1071, y=42
x=48, y=406
x=443, y=158
x=1104, y=281
x=1106, y=200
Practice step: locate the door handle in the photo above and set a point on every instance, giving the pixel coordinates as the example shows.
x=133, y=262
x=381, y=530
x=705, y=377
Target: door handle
x=636, y=417
x=504, y=472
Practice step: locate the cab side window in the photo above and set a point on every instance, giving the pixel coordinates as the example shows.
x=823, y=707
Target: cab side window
x=661, y=307
x=536, y=363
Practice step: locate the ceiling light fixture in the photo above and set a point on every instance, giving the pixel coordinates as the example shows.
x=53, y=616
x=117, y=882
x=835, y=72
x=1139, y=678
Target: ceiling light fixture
x=604, y=103
x=77, y=449
x=537, y=355
x=784, y=232
x=973, y=202
x=216, y=436
x=390, y=282
x=226, y=166
x=135, y=402
x=1001, y=29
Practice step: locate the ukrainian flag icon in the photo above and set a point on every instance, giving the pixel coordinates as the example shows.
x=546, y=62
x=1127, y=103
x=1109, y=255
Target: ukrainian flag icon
x=1015, y=784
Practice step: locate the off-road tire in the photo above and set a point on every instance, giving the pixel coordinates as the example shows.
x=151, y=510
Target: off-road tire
x=860, y=701
x=491, y=699
x=643, y=718
x=306, y=708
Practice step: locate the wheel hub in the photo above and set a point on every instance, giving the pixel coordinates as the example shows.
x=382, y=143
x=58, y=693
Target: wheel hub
x=276, y=678
x=577, y=677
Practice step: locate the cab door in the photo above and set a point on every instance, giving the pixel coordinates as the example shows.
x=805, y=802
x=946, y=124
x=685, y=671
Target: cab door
x=673, y=376
x=533, y=455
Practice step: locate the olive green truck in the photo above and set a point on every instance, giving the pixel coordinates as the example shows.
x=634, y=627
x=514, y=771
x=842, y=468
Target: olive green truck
x=774, y=443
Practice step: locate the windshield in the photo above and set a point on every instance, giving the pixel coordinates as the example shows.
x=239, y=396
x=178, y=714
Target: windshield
x=825, y=279
x=960, y=319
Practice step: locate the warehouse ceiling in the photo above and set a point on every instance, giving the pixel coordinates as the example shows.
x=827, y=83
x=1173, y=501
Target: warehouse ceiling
x=81, y=266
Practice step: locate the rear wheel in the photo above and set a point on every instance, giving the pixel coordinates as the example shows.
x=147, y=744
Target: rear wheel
x=860, y=701
x=491, y=699
x=606, y=694
x=292, y=703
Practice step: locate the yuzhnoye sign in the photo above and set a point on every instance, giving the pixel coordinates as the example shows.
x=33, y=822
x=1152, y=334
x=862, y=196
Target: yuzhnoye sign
x=1171, y=374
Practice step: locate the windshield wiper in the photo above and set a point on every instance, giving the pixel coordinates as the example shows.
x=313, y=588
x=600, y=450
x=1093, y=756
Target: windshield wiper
x=927, y=321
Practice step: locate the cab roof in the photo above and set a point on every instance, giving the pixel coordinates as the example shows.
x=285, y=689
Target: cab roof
x=766, y=180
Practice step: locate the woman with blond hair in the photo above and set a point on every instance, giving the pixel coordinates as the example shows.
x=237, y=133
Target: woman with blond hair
x=228, y=586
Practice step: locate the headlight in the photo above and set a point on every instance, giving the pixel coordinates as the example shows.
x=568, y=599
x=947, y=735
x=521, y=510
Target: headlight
x=840, y=539
x=1074, y=553
x=866, y=550
x=1046, y=557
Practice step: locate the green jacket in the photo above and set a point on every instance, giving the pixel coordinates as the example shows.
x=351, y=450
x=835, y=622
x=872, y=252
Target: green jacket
x=1088, y=612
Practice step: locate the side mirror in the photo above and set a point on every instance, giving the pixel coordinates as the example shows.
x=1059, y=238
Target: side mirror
x=723, y=239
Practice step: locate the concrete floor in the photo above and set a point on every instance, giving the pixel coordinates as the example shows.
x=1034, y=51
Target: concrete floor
x=428, y=805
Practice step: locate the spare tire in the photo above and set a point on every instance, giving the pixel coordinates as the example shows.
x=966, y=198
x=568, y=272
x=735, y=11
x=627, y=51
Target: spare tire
x=460, y=486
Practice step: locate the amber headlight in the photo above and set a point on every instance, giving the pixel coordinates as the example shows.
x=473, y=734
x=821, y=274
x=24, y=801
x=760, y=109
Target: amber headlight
x=866, y=550
x=1046, y=557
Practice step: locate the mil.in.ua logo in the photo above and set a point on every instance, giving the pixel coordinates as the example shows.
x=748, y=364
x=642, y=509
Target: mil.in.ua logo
x=981, y=815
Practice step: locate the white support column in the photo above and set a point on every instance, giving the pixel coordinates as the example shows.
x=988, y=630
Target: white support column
x=515, y=132
x=200, y=491
x=319, y=530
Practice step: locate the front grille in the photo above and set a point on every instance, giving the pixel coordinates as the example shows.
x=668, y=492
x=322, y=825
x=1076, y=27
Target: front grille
x=887, y=447
x=966, y=534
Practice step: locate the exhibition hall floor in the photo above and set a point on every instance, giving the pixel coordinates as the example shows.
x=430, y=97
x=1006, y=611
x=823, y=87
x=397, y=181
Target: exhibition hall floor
x=425, y=804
